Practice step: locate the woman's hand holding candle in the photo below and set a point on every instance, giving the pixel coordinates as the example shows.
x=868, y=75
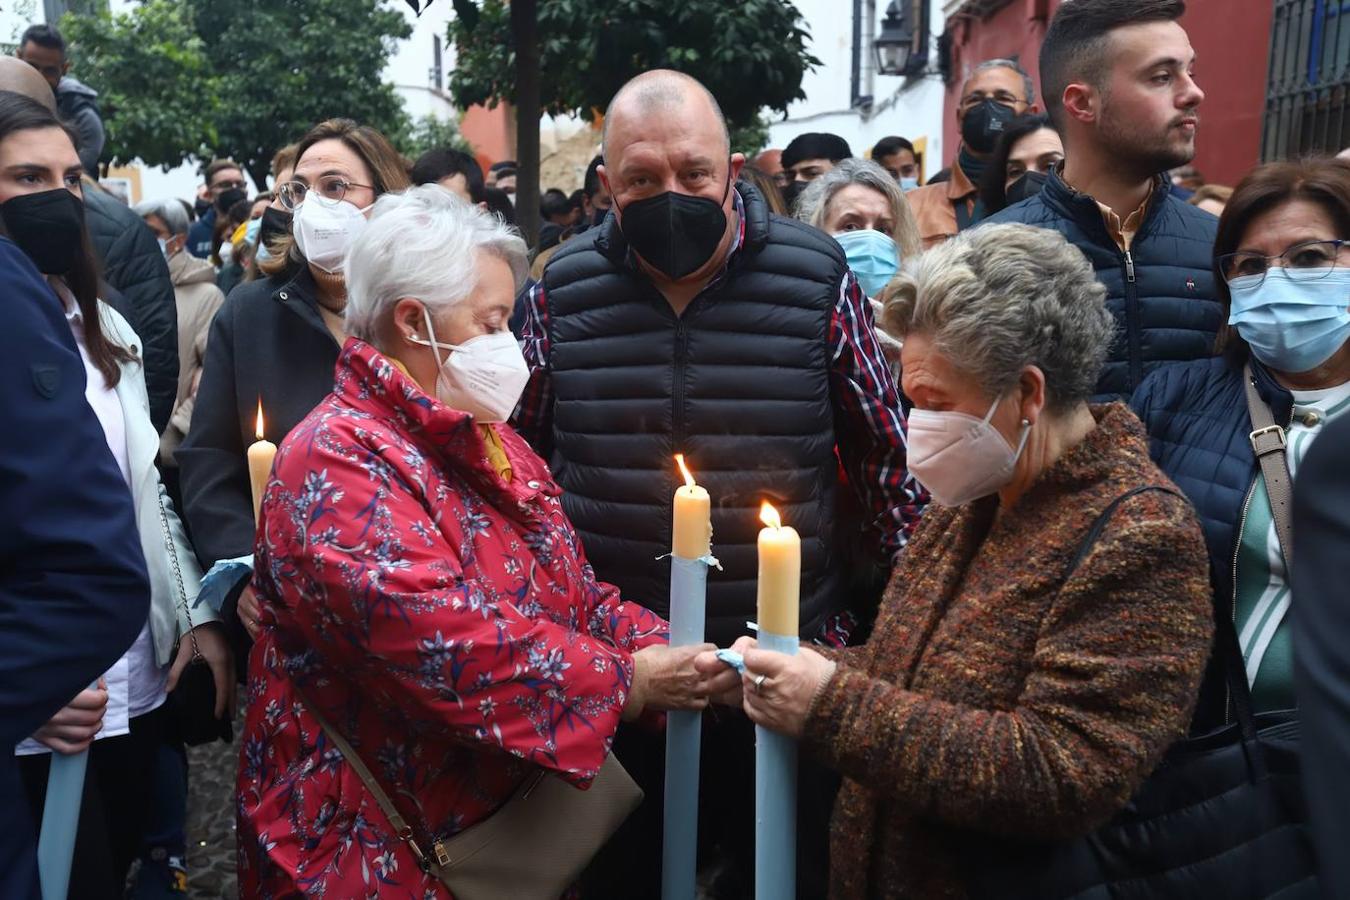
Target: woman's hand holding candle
x=779, y=689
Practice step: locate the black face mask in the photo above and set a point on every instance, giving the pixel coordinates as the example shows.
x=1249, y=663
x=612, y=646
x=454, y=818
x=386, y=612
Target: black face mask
x=676, y=234
x=229, y=198
x=791, y=192
x=1029, y=185
x=598, y=216
x=49, y=227
x=275, y=223
x=984, y=125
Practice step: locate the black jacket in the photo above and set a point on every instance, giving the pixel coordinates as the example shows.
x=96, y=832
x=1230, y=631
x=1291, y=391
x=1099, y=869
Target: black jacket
x=1198, y=427
x=1162, y=292
x=73, y=588
x=739, y=383
x=135, y=266
x=1321, y=621
x=267, y=344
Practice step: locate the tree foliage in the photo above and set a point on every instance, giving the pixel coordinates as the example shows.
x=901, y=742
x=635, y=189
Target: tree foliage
x=238, y=78
x=138, y=62
x=431, y=133
x=750, y=54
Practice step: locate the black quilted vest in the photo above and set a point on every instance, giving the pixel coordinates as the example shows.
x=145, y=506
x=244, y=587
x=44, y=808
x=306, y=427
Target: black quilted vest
x=739, y=384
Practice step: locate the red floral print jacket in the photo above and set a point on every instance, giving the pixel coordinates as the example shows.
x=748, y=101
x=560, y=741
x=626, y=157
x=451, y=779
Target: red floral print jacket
x=444, y=619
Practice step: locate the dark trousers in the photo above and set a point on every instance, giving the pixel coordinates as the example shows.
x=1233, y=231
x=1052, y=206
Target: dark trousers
x=114, y=809
x=629, y=866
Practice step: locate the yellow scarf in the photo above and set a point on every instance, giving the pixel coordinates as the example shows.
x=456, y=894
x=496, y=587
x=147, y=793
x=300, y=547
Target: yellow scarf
x=492, y=441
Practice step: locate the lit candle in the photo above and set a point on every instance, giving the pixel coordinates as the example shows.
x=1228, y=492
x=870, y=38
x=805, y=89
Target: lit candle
x=693, y=517
x=780, y=574
x=260, y=456
x=691, y=550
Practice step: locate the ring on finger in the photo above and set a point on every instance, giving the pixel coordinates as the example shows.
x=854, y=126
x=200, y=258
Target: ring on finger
x=759, y=682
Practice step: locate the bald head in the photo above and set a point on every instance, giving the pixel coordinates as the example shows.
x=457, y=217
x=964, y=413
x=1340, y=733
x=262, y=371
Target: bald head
x=662, y=94
x=21, y=78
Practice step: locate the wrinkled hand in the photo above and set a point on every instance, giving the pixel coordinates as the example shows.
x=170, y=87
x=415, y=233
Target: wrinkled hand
x=665, y=678
x=248, y=611
x=724, y=682
x=215, y=651
x=73, y=728
x=782, y=699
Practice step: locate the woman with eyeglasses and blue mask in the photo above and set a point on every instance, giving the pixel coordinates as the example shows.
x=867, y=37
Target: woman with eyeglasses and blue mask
x=1283, y=259
x=864, y=208
x=275, y=341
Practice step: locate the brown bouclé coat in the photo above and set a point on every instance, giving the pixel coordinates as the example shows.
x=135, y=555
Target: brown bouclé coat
x=995, y=699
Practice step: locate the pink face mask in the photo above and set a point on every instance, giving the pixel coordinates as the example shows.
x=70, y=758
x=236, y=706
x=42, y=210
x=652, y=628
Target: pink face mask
x=958, y=457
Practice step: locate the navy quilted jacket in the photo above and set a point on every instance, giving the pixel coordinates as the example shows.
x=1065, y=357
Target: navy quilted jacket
x=1162, y=292
x=1198, y=429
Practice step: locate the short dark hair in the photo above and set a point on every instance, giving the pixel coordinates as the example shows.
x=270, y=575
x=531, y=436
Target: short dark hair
x=498, y=202
x=44, y=36
x=889, y=146
x=1323, y=182
x=591, y=185
x=443, y=162
x=503, y=168
x=1075, y=43
x=554, y=203
x=815, y=145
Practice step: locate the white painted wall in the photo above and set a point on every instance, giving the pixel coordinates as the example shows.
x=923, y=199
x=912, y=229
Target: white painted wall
x=910, y=109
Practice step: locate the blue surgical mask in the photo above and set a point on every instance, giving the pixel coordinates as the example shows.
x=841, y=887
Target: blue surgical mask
x=872, y=256
x=908, y=184
x=251, y=231
x=1292, y=323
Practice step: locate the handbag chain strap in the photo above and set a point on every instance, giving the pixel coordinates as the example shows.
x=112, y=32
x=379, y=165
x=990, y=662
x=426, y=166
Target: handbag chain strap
x=178, y=577
x=401, y=827
x=1271, y=448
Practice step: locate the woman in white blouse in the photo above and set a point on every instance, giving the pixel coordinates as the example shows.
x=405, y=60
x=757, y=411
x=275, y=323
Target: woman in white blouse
x=121, y=719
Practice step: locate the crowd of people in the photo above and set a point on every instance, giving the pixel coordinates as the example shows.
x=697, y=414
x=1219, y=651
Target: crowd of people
x=1046, y=426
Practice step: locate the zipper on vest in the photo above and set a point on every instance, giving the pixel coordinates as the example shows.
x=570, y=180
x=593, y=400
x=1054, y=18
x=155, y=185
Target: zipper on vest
x=1129, y=267
x=681, y=346
x=1232, y=609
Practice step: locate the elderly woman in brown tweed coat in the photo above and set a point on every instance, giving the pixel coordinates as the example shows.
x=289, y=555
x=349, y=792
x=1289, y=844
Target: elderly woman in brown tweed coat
x=1005, y=692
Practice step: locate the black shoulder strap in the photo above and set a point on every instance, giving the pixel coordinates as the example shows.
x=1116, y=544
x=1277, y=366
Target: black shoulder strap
x=1225, y=633
x=1099, y=525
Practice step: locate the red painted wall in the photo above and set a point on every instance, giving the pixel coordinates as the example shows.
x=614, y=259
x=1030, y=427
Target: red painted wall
x=1232, y=44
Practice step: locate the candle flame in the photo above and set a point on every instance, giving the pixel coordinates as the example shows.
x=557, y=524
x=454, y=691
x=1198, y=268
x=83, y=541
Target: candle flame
x=769, y=516
x=684, y=470
x=259, y=426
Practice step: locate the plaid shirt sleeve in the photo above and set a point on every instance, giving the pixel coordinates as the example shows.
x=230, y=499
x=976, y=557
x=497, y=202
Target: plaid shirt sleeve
x=533, y=418
x=870, y=424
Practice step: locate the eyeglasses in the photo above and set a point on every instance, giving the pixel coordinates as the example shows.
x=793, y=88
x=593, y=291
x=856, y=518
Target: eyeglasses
x=1308, y=261
x=1007, y=98
x=330, y=187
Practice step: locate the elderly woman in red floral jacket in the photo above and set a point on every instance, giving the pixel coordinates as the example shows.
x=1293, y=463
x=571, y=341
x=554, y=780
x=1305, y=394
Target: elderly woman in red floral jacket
x=421, y=585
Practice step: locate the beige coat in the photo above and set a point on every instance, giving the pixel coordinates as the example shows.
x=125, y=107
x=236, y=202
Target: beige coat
x=198, y=299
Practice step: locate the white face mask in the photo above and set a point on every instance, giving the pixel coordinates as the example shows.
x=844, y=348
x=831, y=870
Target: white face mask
x=483, y=377
x=324, y=231
x=958, y=457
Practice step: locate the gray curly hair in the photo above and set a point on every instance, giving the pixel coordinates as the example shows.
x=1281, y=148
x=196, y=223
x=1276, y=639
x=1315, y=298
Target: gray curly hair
x=998, y=298
x=813, y=206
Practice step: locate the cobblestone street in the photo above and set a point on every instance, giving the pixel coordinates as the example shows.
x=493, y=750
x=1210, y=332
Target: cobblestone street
x=211, y=857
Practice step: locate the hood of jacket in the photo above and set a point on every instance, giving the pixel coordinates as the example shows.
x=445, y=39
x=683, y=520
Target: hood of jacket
x=71, y=85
